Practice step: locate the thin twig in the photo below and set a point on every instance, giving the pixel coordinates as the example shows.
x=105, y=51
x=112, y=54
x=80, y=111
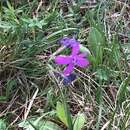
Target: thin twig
x=39, y=6
x=30, y=104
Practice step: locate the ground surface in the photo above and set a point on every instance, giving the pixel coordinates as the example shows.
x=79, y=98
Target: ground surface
x=29, y=34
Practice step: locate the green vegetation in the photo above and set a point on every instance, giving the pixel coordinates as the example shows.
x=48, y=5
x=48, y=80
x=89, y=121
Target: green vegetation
x=31, y=97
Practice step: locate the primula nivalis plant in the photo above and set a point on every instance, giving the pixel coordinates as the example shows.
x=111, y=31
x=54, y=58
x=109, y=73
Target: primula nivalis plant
x=74, y=59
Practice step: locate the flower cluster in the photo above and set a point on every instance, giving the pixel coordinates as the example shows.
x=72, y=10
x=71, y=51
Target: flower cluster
x=69, y=42
x=76, y=58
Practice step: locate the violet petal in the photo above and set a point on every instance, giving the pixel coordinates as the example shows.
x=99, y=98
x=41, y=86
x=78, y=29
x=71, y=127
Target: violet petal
x=68, y=69
x=75, y=50
x=73, y=41
x=62, y=59
x=82, y=62
x=82, y=55
x=66, y=41
x=69, y=79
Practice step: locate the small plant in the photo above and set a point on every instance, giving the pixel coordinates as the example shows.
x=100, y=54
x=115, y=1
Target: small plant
x=76, y=58
x=78, y=121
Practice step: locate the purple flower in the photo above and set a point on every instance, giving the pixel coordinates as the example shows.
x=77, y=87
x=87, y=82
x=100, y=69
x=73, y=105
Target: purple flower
x=69, y=42
x=72, y=60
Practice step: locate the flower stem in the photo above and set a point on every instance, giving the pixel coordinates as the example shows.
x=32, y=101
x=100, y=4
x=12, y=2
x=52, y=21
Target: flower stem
x=57, y=52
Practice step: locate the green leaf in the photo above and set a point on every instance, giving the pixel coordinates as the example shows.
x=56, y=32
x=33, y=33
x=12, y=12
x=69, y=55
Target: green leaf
x=9, y=88
x=102, y=74
x=48, y=125
x=96, y=41
x=3, y=98
x=60, y=33
x=121, y=94
x=32, y=124
x=95, y=37
x=61, y=113
x=79, y=122
x=2, y=124
x=84, y=49
x=64, y=113
x=26, y=124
